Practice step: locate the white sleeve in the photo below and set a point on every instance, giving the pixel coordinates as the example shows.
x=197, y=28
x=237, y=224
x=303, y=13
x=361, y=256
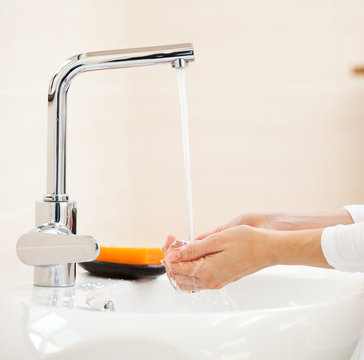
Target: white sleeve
x=343, y=246
x=356, y=212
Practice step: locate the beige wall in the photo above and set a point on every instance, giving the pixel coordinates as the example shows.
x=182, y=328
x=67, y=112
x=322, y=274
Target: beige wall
x=276, y=118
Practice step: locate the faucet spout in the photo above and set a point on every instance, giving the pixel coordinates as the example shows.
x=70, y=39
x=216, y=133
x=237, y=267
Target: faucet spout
x=176, y=55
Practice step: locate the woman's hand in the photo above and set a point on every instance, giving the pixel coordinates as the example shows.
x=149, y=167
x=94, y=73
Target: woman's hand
x=219, y=258
x=286, y=221
x=231, y=254
x=247, y=244
x=279, y=221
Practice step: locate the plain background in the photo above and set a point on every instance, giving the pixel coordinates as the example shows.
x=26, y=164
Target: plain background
x=276, y=116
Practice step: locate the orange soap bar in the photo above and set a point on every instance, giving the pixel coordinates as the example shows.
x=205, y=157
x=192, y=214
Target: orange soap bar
x=132, y=256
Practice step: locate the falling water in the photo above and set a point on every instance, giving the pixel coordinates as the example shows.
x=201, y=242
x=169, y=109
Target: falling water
x=181, y=80
x=201, y=302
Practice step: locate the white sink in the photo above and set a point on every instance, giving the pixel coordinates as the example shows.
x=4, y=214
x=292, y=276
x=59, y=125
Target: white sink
x=275, y=314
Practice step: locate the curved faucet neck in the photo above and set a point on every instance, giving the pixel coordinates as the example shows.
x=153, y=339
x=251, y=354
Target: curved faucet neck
x=57, y=98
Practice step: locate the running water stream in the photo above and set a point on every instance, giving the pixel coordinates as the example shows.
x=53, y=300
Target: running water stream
x=218, y=299
x=181, y=80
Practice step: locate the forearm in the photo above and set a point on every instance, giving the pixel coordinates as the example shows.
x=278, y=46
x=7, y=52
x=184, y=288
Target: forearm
x=296, y=248
x=292, y=221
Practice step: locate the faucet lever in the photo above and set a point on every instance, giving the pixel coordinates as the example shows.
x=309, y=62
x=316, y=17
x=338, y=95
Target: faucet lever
x=43, y=248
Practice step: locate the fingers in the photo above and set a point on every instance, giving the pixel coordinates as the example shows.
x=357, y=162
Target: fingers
x=188, y=288
x=195, y=275
x=185, y=262
x=189, y=268
x=170, y=240
x=187, y=280
x=183, y=282
x=197, y=249
x=187, y=283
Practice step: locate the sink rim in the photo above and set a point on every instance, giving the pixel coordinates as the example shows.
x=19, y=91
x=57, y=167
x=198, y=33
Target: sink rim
x=354, y=289
x=353, y=285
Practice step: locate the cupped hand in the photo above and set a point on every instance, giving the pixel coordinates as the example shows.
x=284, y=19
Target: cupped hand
x=218, y=258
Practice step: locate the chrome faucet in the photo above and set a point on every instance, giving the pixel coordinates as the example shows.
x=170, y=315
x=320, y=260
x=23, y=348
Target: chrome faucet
x=53, y=247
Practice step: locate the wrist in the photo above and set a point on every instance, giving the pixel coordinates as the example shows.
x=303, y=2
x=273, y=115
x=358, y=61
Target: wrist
x=269, y=248
x=296, y=248
x=279, y=246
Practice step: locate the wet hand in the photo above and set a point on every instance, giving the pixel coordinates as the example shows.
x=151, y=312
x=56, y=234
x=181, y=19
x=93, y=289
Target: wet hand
x=218, y=258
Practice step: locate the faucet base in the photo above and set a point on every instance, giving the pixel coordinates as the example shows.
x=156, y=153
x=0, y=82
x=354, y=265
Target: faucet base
x=62, y=214
x=58, y=275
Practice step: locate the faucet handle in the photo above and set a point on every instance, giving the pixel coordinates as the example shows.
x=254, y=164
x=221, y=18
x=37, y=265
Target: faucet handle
x=45, y=248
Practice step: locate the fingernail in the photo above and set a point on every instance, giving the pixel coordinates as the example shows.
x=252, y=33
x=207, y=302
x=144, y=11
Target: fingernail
x=174, y=255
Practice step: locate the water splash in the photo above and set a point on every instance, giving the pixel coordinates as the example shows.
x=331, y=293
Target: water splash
x=206, y=301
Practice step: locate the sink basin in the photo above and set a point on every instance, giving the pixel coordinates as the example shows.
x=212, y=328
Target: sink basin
x=267, y=291
x=278, y=313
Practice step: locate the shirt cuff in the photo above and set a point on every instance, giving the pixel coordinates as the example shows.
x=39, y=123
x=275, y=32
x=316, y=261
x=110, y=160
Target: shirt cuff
x=356, y=212
x=343, y=247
